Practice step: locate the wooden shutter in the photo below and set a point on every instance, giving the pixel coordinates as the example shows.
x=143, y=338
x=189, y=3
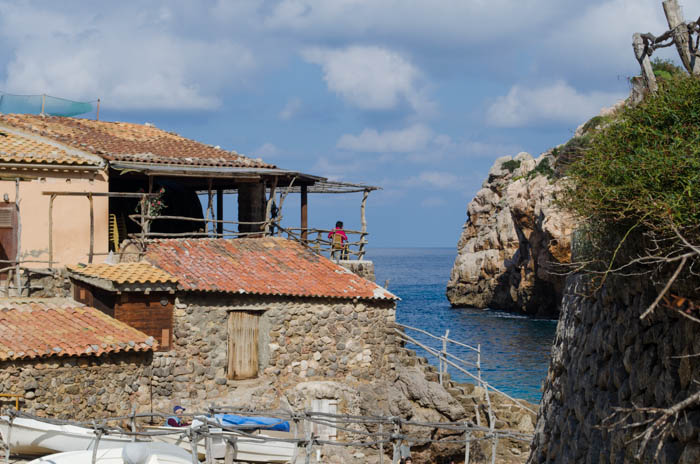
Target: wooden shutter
x=8, y=234
x=328, y=406
x=243, y=344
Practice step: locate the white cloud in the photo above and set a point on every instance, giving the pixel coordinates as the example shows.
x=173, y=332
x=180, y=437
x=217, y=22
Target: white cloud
x=291, y=109
x=370, y=77
x=411, y=139
x=558, y=103
x=132, y=59
x=267, y=149
x=440, y=180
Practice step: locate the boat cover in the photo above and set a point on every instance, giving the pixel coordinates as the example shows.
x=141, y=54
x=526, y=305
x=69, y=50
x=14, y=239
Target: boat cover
x=267, y=423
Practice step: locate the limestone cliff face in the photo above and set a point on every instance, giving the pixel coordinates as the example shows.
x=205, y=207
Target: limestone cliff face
x=513, y=240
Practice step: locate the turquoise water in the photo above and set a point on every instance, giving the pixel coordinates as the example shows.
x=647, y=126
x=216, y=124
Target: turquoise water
x=515, y=349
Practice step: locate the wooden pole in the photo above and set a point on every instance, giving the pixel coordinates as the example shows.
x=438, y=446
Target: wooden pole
x=92, y=229
x=268, y=208
x=304, y=213
x=51, y=199
x=443, y=366
x=381, y=443
x=98, y=110
x=220, y=212
x=467, y=438
x=18, y=255
x=210, y=208
x=43, y=103
x=681, y=37
x=363, y=218
x=644, y=63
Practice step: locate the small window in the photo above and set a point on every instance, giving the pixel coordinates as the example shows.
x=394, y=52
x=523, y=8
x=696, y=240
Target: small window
x=243, y=344
x=327, y=406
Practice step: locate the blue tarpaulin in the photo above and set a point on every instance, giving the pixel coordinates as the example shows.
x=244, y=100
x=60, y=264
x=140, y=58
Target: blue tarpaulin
x=267, y=423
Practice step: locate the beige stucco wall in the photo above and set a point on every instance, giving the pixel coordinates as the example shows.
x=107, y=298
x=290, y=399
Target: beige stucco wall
x=71, y=216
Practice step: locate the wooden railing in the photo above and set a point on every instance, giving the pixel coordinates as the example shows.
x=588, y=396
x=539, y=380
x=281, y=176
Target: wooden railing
x=318, y=241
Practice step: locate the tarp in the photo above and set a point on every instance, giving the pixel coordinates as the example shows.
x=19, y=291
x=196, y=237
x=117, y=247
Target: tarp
x=32, y=104
x=267, y=423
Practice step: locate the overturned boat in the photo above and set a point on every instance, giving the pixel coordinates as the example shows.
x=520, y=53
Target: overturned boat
x=129, y=453
x=34, y=437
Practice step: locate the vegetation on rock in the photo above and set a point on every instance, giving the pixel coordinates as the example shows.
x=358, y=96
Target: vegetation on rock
x=637, y=182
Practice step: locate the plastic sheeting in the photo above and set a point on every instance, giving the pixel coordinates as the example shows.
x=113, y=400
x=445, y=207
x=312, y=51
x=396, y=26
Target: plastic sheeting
x=267, y=423
x=32, y=104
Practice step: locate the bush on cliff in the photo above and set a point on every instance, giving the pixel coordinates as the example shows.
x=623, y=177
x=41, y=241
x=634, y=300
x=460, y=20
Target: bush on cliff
x=638, y=181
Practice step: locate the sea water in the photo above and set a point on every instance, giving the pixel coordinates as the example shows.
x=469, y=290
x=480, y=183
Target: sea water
x=515, y=349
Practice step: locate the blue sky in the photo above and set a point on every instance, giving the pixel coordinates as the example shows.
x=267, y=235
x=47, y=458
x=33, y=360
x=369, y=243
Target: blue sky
x=418, y=97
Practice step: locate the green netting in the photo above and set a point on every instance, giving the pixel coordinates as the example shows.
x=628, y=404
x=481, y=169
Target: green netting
x=32, y=104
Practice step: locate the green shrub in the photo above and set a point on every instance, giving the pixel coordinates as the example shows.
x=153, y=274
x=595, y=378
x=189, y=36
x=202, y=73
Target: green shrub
x=511, y=165
x=640, y=174
x=542, y=169
x=666, y=69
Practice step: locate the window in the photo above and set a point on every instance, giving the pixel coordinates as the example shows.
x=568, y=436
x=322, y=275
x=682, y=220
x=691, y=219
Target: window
x=243, y=344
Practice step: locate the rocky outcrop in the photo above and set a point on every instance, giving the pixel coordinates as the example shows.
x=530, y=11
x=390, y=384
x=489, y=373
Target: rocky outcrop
x=604, y=357
x=514, y=241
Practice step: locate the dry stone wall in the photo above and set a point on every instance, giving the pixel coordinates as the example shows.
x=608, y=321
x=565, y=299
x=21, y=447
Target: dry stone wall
x=78, y=388
x=299, y=339
x=604, y=357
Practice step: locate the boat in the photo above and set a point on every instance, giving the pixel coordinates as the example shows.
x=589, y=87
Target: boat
x=34, y=437
x=253, y=446
x=129, y=453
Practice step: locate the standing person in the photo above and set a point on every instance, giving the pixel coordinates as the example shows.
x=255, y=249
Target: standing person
x=177, y=420
x=339, y=239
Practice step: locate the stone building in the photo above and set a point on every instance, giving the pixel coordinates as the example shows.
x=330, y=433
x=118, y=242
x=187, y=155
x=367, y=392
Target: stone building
x=64, y=359
x=246, y=313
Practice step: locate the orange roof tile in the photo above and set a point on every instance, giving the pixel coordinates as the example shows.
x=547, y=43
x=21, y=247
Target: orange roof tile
x=15, y=148
x=264, y=266
x=123, y=141
x=35, y=328
x=125, y=273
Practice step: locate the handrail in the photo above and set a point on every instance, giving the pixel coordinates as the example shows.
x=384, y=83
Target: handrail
x=436, y=337
x=12, y=395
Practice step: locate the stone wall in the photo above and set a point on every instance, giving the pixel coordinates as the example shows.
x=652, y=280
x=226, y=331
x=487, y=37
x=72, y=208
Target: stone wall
x=605, y=357
x=363, y=268
x=78, y=388
x=299, y=340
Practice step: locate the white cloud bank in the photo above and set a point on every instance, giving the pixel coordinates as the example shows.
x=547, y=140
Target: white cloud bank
x=370, y=77
x=410, y=139
x=557, y=103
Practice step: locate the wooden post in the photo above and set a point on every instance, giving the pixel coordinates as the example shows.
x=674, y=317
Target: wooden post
x=98, y=110
x=644, y=62
x=92, y=229
x=220, y=212
x=51, y=199
x=363, y=218
x=478, y=362
x=143, y=217
x=210, y=208
x=268, y=207
x=18, y=255
x=467, y=439
x=304, y=213
x=681, y=37
x=43, y=103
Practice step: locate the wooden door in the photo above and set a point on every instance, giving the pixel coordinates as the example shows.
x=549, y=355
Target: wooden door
x=8, y=235
x=243, y=344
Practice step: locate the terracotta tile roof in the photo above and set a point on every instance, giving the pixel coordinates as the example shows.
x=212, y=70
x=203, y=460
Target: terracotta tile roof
x=125, y=273
x=37, y=328
x=123, y=141
x=263, y=266
x=15, y=148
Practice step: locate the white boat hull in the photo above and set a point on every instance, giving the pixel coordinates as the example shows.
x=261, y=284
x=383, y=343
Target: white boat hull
x=131, y=453
x=247, y=448
x=32, y=437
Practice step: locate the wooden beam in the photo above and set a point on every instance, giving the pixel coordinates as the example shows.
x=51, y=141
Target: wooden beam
x=304, y=212
x=92, y=230
x=219, y=211
x=681, y=37
x=53, y=197
x=644, y=62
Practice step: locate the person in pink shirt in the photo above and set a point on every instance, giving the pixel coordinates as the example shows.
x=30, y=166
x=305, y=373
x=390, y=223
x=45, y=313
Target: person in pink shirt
x=339, y=239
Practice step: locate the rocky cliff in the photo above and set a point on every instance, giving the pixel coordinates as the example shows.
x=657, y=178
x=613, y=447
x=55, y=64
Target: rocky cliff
x=514, y=240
